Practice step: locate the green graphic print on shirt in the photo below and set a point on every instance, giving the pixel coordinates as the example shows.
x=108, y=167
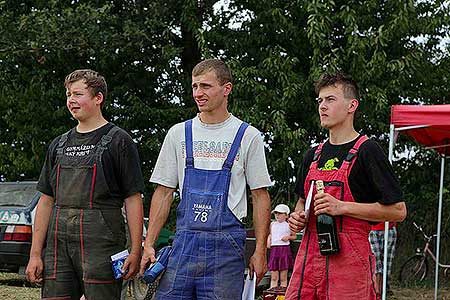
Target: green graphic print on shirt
x=329, y=165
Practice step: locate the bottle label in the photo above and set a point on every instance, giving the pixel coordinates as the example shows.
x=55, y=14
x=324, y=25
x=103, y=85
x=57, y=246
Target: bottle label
x=325, y=242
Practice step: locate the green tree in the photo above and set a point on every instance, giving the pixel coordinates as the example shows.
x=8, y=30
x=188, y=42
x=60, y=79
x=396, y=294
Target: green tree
x=277, y=49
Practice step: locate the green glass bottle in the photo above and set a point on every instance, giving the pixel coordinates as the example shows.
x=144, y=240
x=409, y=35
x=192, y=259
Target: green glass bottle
x=327, y=234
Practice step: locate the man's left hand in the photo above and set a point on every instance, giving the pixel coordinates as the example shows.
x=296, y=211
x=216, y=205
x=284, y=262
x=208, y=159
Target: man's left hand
x=327, y=204
x=132, y=265
x=258, y=264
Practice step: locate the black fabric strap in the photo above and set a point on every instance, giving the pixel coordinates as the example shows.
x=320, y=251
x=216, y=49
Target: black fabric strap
x=62, y=142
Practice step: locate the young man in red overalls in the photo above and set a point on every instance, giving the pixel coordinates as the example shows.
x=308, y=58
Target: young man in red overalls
x=360, y=187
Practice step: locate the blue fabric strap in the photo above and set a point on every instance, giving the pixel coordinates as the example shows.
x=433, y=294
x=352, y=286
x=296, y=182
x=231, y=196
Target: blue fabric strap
x=228, y=163
x=188, y=143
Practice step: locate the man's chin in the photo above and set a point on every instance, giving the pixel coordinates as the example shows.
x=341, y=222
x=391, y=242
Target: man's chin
x=325, y=125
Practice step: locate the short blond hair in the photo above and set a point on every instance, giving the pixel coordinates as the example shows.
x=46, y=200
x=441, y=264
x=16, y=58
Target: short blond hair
x=220, y=68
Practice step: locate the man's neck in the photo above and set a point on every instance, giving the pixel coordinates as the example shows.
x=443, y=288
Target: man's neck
x=342, y=135
x=91, y=124
x=214, y=117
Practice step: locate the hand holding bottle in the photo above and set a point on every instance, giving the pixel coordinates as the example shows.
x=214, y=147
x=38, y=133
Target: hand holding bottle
x=324, y=203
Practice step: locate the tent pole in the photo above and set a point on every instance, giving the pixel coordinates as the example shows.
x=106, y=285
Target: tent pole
x=386, y=224
x=438, y=243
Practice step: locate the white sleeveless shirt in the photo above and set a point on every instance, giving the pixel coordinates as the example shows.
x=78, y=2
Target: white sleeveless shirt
x=278, y=230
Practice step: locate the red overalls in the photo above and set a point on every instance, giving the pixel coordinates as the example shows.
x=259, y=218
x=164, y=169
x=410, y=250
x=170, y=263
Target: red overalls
x=347, y=275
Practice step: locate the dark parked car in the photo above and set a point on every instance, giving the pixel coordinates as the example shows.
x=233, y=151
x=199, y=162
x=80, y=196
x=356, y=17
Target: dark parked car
x=18, y=202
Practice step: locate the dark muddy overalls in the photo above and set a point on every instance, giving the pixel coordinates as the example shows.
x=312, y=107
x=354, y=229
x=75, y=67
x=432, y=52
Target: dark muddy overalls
x=86, y=228
x=347, y=275
x=207, y=261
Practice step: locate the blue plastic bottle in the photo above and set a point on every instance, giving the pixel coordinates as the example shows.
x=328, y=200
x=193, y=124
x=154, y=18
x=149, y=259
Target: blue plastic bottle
x=159, y=266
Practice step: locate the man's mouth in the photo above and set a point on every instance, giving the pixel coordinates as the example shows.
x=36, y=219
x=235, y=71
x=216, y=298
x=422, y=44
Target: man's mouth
x=201, y=102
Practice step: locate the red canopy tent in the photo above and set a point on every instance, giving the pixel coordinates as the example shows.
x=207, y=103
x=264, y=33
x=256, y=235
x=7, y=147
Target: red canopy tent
x=429, y=125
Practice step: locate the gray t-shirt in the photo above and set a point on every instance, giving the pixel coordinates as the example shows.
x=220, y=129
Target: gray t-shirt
x=211, y=144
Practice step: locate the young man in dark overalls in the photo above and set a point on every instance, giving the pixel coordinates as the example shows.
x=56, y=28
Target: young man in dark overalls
x=360, y=187
x=212, y=158
x=89, y=173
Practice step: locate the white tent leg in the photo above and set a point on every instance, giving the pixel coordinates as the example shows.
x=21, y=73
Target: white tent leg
x=385, y=258
x=438, y=243
x=386, y=224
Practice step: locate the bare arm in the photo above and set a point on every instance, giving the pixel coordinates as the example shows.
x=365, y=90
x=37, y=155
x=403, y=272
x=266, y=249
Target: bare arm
x=297, y=220
x=135, y=216
x=41, y=221
x=261, y=221
x=376, y=212
x=300, y=206
x=159, y=211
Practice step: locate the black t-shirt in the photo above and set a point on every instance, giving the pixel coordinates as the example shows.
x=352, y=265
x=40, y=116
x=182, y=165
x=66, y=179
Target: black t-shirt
x=371, y=178
x=121, y=164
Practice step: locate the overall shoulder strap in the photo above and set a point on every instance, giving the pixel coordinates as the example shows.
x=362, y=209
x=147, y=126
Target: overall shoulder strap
x=228, y=163
x=354, y=150
x=352, y=154
x=105, y=140
x=61, y=143
x=318, y=152
x=188, y=143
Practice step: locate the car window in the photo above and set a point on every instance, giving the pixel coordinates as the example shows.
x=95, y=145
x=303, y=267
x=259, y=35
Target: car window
x=16, y=194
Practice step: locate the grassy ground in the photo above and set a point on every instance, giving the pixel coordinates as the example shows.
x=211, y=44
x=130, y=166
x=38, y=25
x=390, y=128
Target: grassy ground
x=14, y=287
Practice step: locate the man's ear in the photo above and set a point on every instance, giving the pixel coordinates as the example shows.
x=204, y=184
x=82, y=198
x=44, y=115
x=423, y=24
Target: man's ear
x=99, y=98
x=353, y=105
x=227, y=88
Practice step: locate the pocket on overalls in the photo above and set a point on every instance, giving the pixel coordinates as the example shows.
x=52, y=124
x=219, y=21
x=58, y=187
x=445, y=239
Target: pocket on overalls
x=230, y=266
x=74, y=188
x=357, y=250
x=237, y=242
x=100, y=241
x=114, y=222
x=204, y=210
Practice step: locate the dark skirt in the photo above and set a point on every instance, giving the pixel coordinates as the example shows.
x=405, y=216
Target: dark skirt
x=280, y=258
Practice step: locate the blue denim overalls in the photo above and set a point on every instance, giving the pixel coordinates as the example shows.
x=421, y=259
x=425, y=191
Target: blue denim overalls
x=207, y=260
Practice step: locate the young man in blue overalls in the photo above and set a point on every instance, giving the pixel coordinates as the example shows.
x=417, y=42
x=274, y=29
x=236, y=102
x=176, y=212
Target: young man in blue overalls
x=89, y=173
x=212, y=158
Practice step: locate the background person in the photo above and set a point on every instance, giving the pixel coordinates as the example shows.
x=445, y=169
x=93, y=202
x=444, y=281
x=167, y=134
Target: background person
x=88, y=175
x=360, y=187
x=376, y=238
x=280, y=259
x=211, y=158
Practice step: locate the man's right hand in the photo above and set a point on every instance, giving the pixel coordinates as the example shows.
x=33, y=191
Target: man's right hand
x=297, y=221
x=34, y=269
x=148, y=256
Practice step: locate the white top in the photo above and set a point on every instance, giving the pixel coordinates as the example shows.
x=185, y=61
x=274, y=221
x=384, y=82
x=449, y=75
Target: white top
x=277, y=231
x=211, y=144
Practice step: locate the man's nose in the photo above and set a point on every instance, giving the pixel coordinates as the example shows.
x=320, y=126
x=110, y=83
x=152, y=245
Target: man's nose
x=322, y=106
x=197, y=92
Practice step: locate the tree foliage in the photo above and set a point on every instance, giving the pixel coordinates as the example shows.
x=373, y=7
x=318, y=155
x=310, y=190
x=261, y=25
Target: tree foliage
x=146, y=49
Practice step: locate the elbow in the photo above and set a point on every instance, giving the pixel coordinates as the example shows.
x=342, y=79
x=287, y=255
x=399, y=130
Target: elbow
x=401, y=212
